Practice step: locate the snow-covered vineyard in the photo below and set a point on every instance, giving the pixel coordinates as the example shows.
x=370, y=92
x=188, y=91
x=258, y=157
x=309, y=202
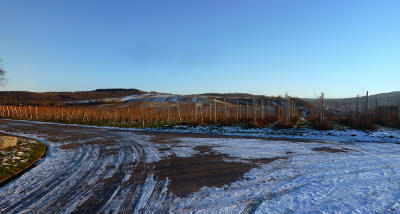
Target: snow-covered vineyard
x=217, y=170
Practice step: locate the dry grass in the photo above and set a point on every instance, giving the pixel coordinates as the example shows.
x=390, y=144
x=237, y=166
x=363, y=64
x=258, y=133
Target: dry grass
x=16, y=159
x=142, y=115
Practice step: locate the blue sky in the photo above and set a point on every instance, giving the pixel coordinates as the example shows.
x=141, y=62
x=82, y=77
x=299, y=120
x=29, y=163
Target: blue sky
x=270, y=47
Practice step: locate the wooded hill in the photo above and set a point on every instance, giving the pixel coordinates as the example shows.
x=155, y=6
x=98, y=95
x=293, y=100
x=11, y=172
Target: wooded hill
x=58, y=98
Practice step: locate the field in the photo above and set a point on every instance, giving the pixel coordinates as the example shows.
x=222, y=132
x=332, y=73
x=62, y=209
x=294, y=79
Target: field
x=15, y=159
x=216, y=170
x=161, y=110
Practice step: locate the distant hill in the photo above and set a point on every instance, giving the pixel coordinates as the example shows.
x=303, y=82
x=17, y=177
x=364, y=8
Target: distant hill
x=243, y=95
x=56, y=98
x=118, y=95
x=383, y=99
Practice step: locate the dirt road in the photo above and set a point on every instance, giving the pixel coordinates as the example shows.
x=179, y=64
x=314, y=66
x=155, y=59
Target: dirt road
x=104, y=170
x=100, y=170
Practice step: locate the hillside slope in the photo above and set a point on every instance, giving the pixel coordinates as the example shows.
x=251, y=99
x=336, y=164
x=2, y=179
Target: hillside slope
x=383, y=99
x=55, y=98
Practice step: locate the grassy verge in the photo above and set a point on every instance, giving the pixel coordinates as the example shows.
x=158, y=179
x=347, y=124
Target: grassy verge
x=15, y=160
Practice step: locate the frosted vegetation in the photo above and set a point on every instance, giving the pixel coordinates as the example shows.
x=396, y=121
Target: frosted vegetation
x=17, y=157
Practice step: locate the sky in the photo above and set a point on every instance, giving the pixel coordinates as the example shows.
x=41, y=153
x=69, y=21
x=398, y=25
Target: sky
x=269, y=47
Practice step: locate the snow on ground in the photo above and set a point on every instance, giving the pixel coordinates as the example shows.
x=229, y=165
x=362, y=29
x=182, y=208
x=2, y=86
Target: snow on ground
x=364, y=179
x=345, y=135
x=384, y=135
x=354, y=171
x=158, y=98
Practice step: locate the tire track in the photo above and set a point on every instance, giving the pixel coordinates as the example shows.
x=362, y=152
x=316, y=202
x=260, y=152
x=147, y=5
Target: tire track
x=105, y=169
x=98, y=170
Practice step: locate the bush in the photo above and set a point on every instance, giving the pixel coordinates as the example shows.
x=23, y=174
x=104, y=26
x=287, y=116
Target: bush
x=365, y=125
x=317, y=124
x=285, y=125
x=361, y=125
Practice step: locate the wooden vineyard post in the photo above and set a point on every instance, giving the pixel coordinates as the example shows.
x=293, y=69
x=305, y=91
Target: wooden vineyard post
x=215, y=111
x=262, y=111
x=240, y=111
x=322, y=108
x=168, y=116
x=358, y=102
x=127, y=119
x=195, y=111
x=287, y=106
x=179, y=112
x=57, y=114
x=226, y=110
x=142, y=116
x=83, y=117
x=70, y=116
x=201, y=113
x=247, y=110
x=237, y=111
x=210, y=109
x=255, y=110
x=293, y=110
x=146, y=115
x=26, y=113
x=108, y=117
x=115, y=116
x=37, y=115
x=100, y=118
x=274, y=110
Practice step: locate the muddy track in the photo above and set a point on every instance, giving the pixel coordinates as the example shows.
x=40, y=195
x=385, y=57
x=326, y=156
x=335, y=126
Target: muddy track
x=105, y=170
x=90, y=177
x=95, y=170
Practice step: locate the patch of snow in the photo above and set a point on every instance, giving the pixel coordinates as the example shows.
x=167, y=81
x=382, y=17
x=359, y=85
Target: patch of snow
x=148, y=188
x=183, y=151
x=364, y=179
x=347, y=135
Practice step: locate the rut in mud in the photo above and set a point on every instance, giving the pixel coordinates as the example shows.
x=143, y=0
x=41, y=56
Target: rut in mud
x=102, y=170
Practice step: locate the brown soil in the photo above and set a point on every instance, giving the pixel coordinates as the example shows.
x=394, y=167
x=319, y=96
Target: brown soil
x=185, y=175
x=167, y=138
x=70, y=146
x=163, y=139
x=208, y=168
x=331, y=150
x=189, y=174
x=203, y=149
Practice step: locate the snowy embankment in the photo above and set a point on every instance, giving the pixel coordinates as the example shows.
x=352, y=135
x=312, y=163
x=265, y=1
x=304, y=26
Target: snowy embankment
x=385, y=135
x=344, y=135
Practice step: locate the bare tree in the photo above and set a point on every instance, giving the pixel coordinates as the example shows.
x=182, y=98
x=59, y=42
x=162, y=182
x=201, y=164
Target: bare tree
x=3, y=80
